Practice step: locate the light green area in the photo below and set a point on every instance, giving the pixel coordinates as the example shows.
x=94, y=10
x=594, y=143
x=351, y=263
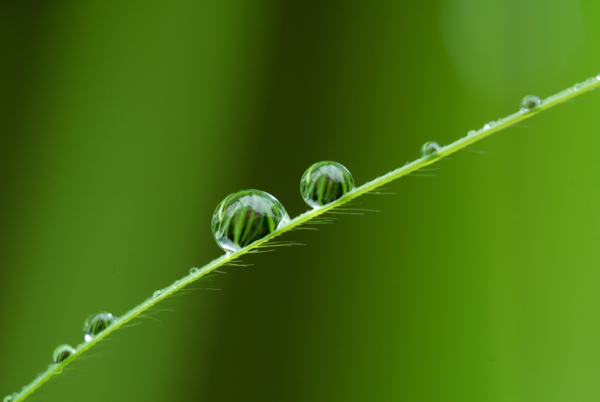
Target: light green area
x=123, y=124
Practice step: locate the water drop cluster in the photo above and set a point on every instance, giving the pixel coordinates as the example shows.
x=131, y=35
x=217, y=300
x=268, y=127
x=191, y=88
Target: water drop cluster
x=324, y=183
x=249, y=215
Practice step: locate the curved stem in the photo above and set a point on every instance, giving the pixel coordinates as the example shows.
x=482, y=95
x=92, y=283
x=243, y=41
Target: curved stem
x=474, y=136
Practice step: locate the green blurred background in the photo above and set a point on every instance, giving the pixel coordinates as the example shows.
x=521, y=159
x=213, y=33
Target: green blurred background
x=123, y=124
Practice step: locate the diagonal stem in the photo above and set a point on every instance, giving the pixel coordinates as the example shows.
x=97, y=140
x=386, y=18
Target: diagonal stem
x=472, y=137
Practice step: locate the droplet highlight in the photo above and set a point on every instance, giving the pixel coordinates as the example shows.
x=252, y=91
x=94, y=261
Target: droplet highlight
x=429, y=148
x=62, y=353
x=245, y=217
x=96, y=323
x=529, y=102
x=489, y=125
x=325, y=182
x=194, y=271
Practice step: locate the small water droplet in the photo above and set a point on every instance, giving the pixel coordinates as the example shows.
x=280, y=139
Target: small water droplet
x=62, y=353
x=324, y=182
x=429, y=148
x=577, y=87
x=529, y=102
x=245, y=217
x=7, y=398
x=157, y=293
x=598, y=77
x=96, y=323
x=472, y=132
x=489, y=125
x=194, y=271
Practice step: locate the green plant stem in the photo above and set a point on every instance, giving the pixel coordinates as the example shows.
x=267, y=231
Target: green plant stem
x=576, y=90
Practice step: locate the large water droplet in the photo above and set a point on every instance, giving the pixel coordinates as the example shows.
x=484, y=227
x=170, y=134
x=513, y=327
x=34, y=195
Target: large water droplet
x=529, y=102
x=245, y=217
x=62, y=353
x=429, y=148
x=194, y=271
x=8, y=398
x=325, y=182
x=96, y=323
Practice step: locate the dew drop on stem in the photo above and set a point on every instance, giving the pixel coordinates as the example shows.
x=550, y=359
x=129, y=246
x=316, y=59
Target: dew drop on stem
x=62, y=353
x=245, y=217
x=96, y=323
x=529, y=102
x=429, y=148
x=325, y=182
x=489, y=125
x=194, y=271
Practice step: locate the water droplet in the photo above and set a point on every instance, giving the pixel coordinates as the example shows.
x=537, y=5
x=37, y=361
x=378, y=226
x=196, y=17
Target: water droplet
x=489, y=125
x=96, y=323
x=7, y=398
x=472, y=132
x=325, y=182
x=245, y=217
x=429, y=148
x=157, y=293
x=577, y=87
x=598, y=77
x=194, y=271
x=529, y=102
x=62, y=353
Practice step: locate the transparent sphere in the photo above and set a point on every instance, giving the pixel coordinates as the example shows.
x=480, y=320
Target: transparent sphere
x=245, y=217
x=325, y=182
x=62, y=353
x=96, y=323
x=429, y=148
x=529, y=102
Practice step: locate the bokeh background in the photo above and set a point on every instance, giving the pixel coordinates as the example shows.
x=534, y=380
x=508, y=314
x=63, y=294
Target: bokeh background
x=123, y=124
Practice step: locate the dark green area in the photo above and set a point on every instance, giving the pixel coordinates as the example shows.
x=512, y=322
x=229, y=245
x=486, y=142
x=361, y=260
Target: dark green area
x=124, y=124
